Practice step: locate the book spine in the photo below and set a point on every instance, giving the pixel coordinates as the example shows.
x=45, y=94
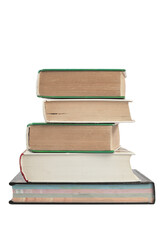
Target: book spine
x=20, y=164
x=154, y=193
x=81, y=97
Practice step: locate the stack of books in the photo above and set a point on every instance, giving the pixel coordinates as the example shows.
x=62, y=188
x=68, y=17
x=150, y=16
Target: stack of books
x=75, y=156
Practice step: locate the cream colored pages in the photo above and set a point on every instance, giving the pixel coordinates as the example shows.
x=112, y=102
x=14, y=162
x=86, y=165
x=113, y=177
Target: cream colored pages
x=78, y=167
x=93, y=111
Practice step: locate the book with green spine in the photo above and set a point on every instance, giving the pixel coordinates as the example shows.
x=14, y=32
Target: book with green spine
x=81, y=83
x=73, y=137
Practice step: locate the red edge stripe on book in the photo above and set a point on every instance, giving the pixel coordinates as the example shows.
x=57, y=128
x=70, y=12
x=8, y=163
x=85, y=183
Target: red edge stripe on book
x=21, y=167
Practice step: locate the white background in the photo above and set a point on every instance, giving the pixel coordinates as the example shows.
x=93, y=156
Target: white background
x=79, y=34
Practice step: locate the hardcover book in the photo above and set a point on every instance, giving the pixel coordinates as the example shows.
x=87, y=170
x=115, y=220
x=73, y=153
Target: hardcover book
x=87, y=111
x=77, y=167
x=142, y=191
x=72, y=137
x=81, y=83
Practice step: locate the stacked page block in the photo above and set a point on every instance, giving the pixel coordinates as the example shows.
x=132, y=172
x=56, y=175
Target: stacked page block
x=75, y=156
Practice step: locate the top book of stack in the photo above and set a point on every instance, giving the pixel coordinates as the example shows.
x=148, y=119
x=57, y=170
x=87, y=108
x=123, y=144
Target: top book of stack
x=81, y=83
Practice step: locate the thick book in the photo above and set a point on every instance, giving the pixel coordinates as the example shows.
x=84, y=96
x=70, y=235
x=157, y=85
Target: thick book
x=73, y=137
x=81, y=83
x=87, y=111
x=77, y=167
x=142, y=191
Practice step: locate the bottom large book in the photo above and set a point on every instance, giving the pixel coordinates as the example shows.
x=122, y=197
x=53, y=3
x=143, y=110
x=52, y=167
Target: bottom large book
x=142, y=191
